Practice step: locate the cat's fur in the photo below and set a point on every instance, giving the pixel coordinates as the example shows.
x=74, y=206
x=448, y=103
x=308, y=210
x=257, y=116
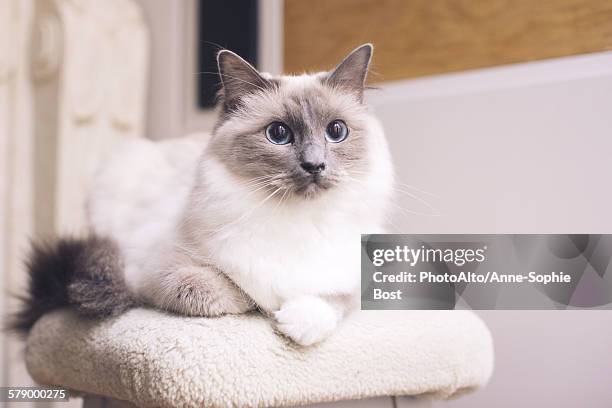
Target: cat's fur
x=243, y=224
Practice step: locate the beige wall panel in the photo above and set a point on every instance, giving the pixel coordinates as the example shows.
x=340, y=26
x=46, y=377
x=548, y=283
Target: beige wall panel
x=422, y=37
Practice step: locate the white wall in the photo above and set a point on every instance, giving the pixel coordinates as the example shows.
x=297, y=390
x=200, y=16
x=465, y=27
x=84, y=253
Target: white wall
x=519, y=149
x=515, y=149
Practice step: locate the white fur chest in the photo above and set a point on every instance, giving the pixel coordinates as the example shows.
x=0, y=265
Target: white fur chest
x=279, y=259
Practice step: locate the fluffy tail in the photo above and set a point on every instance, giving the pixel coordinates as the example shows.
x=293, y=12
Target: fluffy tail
x=86, y=274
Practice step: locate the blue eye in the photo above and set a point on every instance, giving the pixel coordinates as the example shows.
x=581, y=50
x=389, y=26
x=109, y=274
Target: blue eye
x=336, y=131
x=279, y=133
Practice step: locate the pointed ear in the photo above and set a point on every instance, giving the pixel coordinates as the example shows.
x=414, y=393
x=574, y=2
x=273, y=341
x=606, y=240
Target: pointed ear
x=352, y=71
x=238, y=77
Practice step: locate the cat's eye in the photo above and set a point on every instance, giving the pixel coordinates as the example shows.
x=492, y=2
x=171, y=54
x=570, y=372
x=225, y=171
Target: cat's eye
x=279, y=133
x=336, y=131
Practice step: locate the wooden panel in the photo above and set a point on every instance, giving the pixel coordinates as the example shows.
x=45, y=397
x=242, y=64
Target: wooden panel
x=423, y=37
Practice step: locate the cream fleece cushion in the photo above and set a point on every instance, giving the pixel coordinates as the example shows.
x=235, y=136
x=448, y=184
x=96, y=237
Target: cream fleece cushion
x=154, y=359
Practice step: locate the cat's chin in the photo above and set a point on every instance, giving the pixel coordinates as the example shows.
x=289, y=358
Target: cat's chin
x=311, y=191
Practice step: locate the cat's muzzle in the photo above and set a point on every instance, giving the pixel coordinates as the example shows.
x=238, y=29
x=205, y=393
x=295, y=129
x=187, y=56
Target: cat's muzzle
x=312, y=184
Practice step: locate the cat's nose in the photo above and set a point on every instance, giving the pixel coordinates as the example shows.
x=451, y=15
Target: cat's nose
x=312, y=158
x=313, y=167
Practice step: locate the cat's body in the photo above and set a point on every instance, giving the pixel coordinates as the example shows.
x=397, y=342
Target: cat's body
x=272, y=206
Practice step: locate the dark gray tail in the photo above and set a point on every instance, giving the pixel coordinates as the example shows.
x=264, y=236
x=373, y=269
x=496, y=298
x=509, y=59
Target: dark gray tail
x=85, y=273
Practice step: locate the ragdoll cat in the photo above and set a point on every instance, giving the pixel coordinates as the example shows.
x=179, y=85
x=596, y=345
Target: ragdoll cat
x=267, y=214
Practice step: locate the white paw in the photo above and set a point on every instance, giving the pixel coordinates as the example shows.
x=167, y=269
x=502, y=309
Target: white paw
x=307, y=320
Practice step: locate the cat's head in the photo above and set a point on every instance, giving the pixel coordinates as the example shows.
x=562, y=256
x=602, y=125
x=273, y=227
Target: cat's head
x=298, y=134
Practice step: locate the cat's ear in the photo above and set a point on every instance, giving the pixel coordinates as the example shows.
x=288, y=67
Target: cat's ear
x=352, y=71
x=238, y=78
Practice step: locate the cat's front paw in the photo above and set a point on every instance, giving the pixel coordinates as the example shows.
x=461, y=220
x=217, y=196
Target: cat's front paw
x=198, y=291
x=307, y=320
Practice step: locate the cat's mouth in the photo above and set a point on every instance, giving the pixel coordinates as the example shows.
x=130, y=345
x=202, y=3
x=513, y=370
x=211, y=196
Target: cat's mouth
x=312, y=185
